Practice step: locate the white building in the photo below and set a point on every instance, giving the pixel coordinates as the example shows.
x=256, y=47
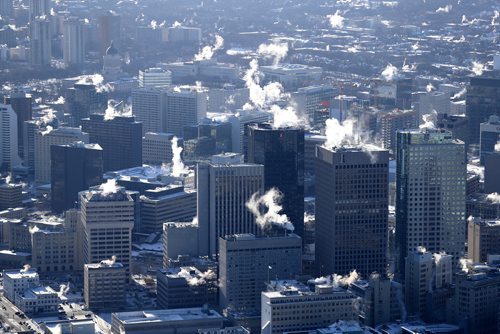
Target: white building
x=292, y=75
x=224, y=186
x=42, y=299
x=107, y=218
x=186, y=105
x=73, y=41
x=240, y=121
x=181, y=34
x=289, y=306
x=17, y=281
x=9, y=157
x=45, y=139
x=155, y=78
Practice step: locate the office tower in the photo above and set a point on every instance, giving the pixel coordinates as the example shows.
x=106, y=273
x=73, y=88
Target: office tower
x=483, y=239
x=281, y=151
x=491, y=168
x=104, y=285
x=351, y=210
x=180, y=239
x=155, y=78
x=74, y=167
x=184, y=320
x=207, y=138
x=486, y=206
x=482, y=101
x=112, y=63
x=239, y=123
x=43, y=142
x=432, y=101
x=73, y=42
x=315, y=103
x=107, y=218
x=120, y=139
x=430, y=193
x=310, y=143
x=227, y=98
x=489, y=137
x=185, y=287
x=109, y=28
x=156, y=148
x=186, y=105
x=224, y=186
x=38, y=8
x=393, y=121
x=55, y=248
x=247, y=262
x=287, y=306
x=84, y=99
x=456, y=124
x=11, y=195
x=477, y=300
x=40, y=42
x=21, y=103
x=166, y=204
x=9, y=157
x=6, y=8
x=149, y=106
x=395, y=93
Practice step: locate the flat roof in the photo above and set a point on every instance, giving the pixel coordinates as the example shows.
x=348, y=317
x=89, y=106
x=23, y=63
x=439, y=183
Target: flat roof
x=184, y=314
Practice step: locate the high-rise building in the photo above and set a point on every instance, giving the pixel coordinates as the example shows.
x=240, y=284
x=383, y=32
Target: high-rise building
x=38, y=8
x=73, y=42
x=433, y=101
x=489, y=137
x=6, y=8
x=156, y=148
x=84, y=99
x=207, y=138
x=186, y=105
x=107, y=219
x=393, y=121
x=480, y=205
x=483, y=239
x=477, y=300
x=456, y=124
x=120, y=139
x=21, y=103
x=247, y=262
x=10, y=195
x=281, y=151
x=224, y=186
x=9, y=157
x=239, y=123
x=112, y=63
x=104, y=285
x=395, y=93
x=166, y=204
x=430, y=193
x=74, y=167
x=43, y=142
x=315, y=102
x=40, y=41
x=491, y=168
x=290, y=306
x=351, y=210
x=482, y=101
x=109, y=27
x=149, y=106
x=155, y=78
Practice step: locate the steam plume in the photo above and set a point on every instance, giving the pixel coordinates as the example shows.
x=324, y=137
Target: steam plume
x=178, y=167
x=25, y=268
x=390, y=72
x=108, y=188
x=429, y=120
x=477, y=68
x=336, y=20
x=270, y=200
x=208, y=51
x=278, y=51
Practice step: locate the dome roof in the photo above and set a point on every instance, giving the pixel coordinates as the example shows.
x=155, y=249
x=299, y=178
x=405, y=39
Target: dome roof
x=111, y=51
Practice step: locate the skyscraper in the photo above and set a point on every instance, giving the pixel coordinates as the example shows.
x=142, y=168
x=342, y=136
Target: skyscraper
x=315, y=102
x=120, y=139
x=281, y=151
x=73, y=42
x=149, y=106
x=21, y=103
x=155, y=78
x=351, y=210
x=6, y=8
x=84, y=99
x=75, y=167
x=109, y=26
x=224, y=186
x=9, y=157
x=430, y=193
x=38, y=8
x=45, y=139
x=107, y=218
x=40, y=41
x=489, y=137
x=186, y=105
x=482, y=101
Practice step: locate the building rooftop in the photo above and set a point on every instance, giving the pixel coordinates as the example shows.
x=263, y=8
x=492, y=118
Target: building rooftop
x=20, y=274
x=173, y=315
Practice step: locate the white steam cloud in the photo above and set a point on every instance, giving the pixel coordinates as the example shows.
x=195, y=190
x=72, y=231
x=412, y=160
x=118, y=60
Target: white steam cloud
x=178, y=167
x=33, y=229
x=429, y=120
x=109, y=188
x=390, y=72
x=199, y=279
x=445, y=9
x=270, y=200
x=493, y=198
x=430, y=87
x=63, y=290
x=97, y=80
x=337, y=280
x=459, y=95
x=208, y=51
x=117, y=109
x=497, y=146
x=336, y=20
x=465, y=265
x=278, y=51
x=477, y=68
x=25, y=268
